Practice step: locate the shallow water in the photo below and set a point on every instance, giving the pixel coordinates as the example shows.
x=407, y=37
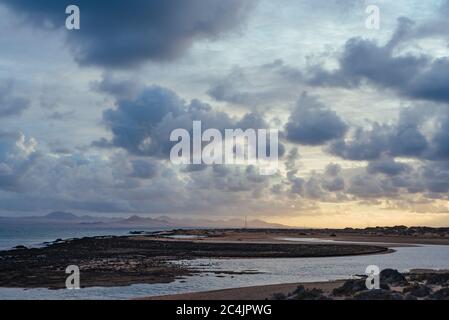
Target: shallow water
x=274, y=271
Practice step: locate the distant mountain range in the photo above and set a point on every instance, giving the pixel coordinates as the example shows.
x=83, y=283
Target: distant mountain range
x=136, y=222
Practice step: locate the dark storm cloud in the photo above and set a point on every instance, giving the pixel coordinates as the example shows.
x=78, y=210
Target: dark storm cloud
x=11, y=104
x=118, y=33
x=311, y=123
x=430, y=178
x=440, y=140
x=406, y=138
x=435, y=176
x=380, y=140
x=432, y=84
x=143, y=125
x=365, y=61
x=120, y=89
x=388, y=167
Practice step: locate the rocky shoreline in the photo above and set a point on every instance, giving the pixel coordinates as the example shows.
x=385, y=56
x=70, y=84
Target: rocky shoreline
x=425, y=285
x=121, y=261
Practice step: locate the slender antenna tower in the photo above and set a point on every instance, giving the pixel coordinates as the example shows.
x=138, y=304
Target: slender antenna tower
x=246, y=223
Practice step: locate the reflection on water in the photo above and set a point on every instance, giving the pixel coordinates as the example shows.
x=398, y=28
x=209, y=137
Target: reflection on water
x=274, y=271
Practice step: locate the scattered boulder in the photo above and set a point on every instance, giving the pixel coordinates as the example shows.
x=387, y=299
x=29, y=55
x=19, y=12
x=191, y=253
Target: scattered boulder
x=392, y=277
x=442, y=294
x=378, y=294
x=441, y=279
x=302, y=293
x=278, y=296
x=418, y=290
x=350, y=287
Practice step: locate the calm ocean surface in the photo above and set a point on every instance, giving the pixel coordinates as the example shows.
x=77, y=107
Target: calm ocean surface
x=272, y=271
x=36, y=235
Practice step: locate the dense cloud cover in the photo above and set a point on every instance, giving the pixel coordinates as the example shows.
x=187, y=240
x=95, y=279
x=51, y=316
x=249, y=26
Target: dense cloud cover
x=407, y=138
x=311, y=123
x=121, y=34
x=332, y=155
x=143, y=125
x=10, y=103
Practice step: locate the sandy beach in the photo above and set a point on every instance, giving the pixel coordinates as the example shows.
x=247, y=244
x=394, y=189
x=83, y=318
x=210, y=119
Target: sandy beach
x=251, y=293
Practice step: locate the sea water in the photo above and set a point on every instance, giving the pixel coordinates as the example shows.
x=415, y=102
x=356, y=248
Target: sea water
x=29, y=235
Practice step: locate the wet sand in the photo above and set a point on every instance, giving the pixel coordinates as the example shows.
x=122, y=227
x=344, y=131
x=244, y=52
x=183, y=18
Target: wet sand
x=251, y=293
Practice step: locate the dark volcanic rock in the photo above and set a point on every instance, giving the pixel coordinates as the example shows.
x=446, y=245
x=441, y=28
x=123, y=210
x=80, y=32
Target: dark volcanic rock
x=302, y=293
x=418, y=290
x=379, y=294
x=392, y=277
x=441, y=279
x=350, y=287
x=279, y=296
x=442, y=294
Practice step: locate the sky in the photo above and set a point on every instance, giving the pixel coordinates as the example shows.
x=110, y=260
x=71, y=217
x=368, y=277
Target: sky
x=363, y=113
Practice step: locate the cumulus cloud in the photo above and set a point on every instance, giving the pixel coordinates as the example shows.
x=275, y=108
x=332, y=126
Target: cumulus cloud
x=312, y=123
x=143, y=125
x=118, y=88
x=389, y=167
x=380, y=140
x=409, y=137
x=127, y=33
x=365, y=61
x=17, y=154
